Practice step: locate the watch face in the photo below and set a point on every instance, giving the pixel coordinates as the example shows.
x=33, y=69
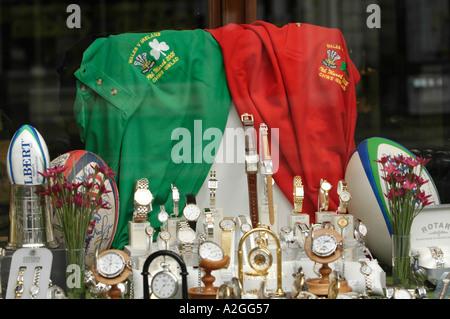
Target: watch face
x=326, y=186
x=299, y=192
x=163, y=216
x=362, y=229
x=164, y=235
x=213, y=184
x=110, y=264
x=246, y=227
x=345, y=196
x=365, y=269
x=260, y=259
x=324, y=245
x=164, y=285
x=143, y=197
x=186, y=235
x=227, y=224
x=149, y=230
x=191, y=212
x=211, y=251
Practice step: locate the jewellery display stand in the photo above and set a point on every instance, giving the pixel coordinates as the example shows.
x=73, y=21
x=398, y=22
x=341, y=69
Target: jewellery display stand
x=180, y=262
x=218, y=216
x=279, y=290
x=320, y=286
x=138, y=239
x=30, y=260
x=294, y=218
x=324, y=216
x=208, y=291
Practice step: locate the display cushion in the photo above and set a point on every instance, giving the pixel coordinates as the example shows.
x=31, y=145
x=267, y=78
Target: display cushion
x=104, y=222
x=27, y=156
x=364, y=179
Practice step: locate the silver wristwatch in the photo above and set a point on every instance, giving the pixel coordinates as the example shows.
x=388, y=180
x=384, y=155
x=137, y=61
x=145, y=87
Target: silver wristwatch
x=208, y=223
x=142, y=200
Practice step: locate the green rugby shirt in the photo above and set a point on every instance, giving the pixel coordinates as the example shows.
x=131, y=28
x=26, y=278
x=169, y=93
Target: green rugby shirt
x=134, y=91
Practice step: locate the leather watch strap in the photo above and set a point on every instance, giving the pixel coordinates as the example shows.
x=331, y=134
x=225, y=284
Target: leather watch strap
x=253, y=198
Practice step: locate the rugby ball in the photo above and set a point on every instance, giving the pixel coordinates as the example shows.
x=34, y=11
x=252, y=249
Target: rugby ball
x=368, y=203
x=104, y=223
x=27, y=155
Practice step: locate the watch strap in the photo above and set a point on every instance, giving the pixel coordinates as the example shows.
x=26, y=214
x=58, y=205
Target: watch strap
x=298, y=200
x=190, y=199
x=252, y=181
x=19, y=287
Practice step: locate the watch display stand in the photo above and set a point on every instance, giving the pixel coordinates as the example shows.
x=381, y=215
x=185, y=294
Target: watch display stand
x=218, y=216
x=324, y=216
x=31, y=258
x=249, y=244
x=208, y=291
x=138, y=237
x=320, y=286
x=178, y=259
x=298, y=218
x=279, y=289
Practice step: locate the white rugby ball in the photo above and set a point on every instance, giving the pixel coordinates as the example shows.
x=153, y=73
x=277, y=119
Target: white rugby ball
x=368, y=203
x=27, y=155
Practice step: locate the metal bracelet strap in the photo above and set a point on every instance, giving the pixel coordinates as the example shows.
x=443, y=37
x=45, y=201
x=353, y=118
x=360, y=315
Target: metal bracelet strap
x=34, y=289
x=298, y=201
x=18, y=288
x=142, y=183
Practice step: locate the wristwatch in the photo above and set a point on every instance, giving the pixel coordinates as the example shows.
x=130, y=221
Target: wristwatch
x=227, y=225
x=191, y=211
x=208, y=223
x=149, y=230
x=186, y=236
x=142, y=200
x=287, y=234
x=213, y=184
x=19, y=287
x=366, y=270
x=245, y=226
x=175, y=199
x=251, y=166
x=164, y=283
x=267, y=168
x=34, y=289
x=324, y=200
x=344, y=196
x=165, y=236
x=299, y=194
x=163, y=216
x=438, y=256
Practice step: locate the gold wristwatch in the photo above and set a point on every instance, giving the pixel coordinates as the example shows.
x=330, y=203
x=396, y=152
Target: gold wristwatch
x=344, y=196
x=324, y=200
x=299, y=194
x=213, y=184
x=19, y=287
x=142, y=200
x=227, y=225
x=366, y=270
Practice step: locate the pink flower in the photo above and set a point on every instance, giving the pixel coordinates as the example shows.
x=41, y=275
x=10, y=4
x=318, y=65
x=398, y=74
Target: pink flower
x=408, y=185
x=383, y=160
x=422, y=161
x=104, y=170
x=411, y=162
x=391, y=169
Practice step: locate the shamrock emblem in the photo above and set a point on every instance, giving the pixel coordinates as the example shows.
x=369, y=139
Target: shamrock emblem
x=158, y=48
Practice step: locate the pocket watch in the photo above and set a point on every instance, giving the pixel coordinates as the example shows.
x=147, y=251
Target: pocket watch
x=110, y=264
x=260, y=258
x=323, y=245
x=211, y=251
x=164, y=283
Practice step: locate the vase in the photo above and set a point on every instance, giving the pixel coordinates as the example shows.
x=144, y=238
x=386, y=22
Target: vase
x=401, y=260
x=75, y=272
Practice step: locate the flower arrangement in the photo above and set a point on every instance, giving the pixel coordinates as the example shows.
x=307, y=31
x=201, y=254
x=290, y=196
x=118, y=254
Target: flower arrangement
x=75, y=202
x=406, y=199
